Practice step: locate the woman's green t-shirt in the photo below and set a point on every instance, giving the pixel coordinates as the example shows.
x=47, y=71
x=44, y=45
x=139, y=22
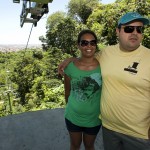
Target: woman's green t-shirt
x=83, y=107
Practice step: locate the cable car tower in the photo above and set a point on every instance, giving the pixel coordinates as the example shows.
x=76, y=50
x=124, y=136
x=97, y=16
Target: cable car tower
x=33, y=10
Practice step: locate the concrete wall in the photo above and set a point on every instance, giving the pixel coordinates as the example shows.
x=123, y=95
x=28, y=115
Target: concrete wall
x=40, y=130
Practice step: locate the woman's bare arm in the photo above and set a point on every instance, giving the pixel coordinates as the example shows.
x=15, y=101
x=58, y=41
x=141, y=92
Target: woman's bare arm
x=67, y=87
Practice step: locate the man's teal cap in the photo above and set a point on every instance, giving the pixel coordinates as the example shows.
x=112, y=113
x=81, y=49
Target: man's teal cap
x=131, y=16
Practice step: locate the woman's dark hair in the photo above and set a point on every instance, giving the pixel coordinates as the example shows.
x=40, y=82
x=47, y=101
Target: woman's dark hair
x=86, y=31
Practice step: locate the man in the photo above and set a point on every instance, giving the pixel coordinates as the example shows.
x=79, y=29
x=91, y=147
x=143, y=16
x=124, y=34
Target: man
x=125, y=101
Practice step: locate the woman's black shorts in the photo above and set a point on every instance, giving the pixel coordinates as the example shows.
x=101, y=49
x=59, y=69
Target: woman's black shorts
x=88, y=130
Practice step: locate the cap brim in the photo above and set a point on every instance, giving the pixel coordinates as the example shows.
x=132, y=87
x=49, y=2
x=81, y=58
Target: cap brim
x=144, y=20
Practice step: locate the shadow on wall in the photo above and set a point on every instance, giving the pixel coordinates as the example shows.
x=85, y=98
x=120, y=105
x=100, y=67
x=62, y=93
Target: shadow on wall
x=40, y=130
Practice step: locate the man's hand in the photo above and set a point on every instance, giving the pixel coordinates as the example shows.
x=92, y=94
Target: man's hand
x=149, y=133
x=64, y=64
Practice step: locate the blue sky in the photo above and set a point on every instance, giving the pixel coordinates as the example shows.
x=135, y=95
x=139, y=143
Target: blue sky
x=12, y=33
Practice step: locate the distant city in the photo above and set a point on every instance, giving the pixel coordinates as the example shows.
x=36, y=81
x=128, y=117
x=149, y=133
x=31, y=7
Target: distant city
x=17, y=47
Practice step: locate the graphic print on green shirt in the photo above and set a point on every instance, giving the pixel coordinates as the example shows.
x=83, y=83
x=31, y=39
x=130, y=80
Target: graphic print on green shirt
x=84, y=88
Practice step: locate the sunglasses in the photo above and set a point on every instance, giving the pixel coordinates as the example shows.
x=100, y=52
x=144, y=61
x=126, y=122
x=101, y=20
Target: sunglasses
x=86, y=43
x=130, y=29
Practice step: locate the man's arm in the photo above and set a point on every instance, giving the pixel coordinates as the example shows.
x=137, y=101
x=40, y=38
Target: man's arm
x=64, y=64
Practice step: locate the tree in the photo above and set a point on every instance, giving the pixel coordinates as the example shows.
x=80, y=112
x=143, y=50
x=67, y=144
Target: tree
x=54, y=19
x=63, y=38
x=25, y=71
x=80, y=10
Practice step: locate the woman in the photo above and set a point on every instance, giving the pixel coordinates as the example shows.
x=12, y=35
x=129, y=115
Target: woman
x=82, y=94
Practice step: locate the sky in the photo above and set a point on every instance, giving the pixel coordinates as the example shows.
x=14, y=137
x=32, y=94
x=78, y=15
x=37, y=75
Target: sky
x=12, y=33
